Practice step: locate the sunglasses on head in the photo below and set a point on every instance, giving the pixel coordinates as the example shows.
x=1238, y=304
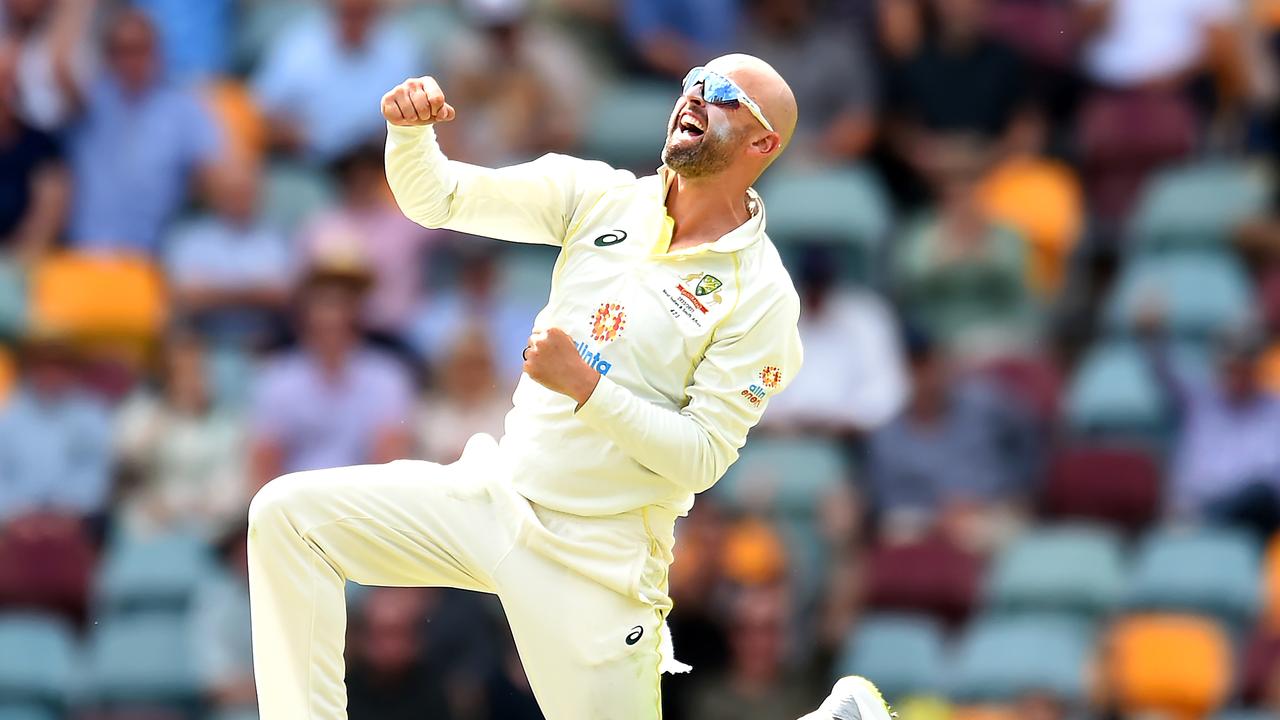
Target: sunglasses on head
x=720, y=90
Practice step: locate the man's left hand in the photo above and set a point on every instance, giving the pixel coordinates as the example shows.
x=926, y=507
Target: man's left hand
x=553, y=360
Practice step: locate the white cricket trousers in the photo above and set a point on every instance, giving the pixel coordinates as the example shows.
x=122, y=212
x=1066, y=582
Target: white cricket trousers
x=585, y=597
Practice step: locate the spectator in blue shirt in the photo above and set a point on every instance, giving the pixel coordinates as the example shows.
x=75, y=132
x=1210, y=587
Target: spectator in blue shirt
x=55, y=440
x=322, y=83
x=670, y=36
x=138, y=146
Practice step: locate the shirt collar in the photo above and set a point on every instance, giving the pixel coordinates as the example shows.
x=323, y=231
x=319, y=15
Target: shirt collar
x=743, y=236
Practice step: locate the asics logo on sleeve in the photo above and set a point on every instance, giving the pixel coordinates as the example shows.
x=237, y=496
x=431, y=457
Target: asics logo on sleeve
x=634, y=636
x=611, y=238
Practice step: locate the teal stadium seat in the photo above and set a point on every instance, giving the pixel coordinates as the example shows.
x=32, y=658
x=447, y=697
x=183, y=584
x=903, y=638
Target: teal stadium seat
x=156, y=574
x=1072, y=569
x=13, y=300
x=1200, y=293
x=292, y=193
x=905, y=654
x=1208, y=571
x=1000, y=658
x=526, y=274
x=1115, y=393
x=1197, y=205
x=434, y=24
x=37, y=662
x=143, y=659
x=847, y=209
x=27, y=711
x=261, y=26
x=627, y=125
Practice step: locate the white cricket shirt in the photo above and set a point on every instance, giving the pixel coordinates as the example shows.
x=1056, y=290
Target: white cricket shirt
x=690, y=345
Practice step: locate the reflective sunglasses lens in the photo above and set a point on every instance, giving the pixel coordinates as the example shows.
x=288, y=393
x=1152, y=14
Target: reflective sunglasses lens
x=716, y=89
x=693, y=78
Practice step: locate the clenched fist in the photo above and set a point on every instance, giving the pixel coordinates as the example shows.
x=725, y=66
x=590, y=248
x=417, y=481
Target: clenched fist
x=416, y=102
x=553, y=360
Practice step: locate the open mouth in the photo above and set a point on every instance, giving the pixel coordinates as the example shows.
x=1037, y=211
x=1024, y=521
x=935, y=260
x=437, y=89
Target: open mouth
x=689, y=126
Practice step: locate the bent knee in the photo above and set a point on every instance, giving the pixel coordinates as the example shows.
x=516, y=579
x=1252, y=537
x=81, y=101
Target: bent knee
x=274, y=501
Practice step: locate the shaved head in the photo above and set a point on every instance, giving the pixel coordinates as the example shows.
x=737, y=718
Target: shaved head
x=709, y=140
x=765, y=86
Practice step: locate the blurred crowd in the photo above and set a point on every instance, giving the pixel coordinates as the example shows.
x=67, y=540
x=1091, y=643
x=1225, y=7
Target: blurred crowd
x=1031, y=469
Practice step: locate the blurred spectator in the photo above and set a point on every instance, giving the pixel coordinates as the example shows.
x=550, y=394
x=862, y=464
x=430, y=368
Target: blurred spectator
x=524, y=87
x=220, y=626
x=854, y=378
x=1040, y=706
x=54, y=438
x=322, y=81
x=34, y=186
x=698, y=629
x=388, y=677
x=184, y=453
x=957, y=83
x=1137, y=43
x=961, y=276
x=1229, y=410
x=955, y=450
x=229, y=271
x=467, y=400
x=367, y=223
x=333, y=401
x=757, y=685
x=475, y=301
x=47, y=39
x=669, y=37
x=138, y=146
x=196, y=38
x=829, y=68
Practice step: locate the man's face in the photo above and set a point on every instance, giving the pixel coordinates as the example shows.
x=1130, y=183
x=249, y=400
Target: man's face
x=131, y=51
x=703, y=139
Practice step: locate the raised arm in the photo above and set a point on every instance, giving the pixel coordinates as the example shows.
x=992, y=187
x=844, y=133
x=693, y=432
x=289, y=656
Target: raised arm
x=534, y=202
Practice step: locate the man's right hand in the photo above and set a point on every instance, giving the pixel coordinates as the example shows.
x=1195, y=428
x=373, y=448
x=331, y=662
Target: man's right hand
x=415, y=103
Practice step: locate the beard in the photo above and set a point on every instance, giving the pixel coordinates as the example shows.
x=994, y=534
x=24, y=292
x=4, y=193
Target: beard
x=708, y=155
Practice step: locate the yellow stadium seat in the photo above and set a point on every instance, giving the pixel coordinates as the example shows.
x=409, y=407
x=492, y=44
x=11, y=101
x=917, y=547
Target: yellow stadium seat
x=98, y=297
x=1269, y=368
x=243, y=125
x=8, y=374
x=754, y=554
x=1043, y=201
x=1271, y=586
x=1177, y=665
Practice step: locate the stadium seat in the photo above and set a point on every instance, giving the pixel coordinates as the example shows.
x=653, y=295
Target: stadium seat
x=8, y=374
x=241, y=121
x=999, y=658
x=789, y=476
x=627, y=124
x=1200, y=293
x=1035, y=381
x=143, y=659
x=261, y=25
x=1126, y=135
x=932, y=576
x=1113, y=392
x=13, y=300
x=1196, y=206
x=38, y=664
x=1178, y=665
x=1210, y=571
x=1043, y=201
x=903, y=653
x=1261, y=662
x=1271, y=586
x=845, y=209
x=46, y=564
x=158, y=573
x=526, y=274
x=1072, y=569
x=433, y=24
x=27, y=711
x=292, y=193
x=1114, y=485
x=94, y=296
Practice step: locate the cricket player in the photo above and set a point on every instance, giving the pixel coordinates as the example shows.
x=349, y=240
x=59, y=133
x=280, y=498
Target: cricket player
x=670, y=324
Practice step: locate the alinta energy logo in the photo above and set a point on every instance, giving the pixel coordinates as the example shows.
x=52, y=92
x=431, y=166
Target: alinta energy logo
x=607, y=324
x=770, y=376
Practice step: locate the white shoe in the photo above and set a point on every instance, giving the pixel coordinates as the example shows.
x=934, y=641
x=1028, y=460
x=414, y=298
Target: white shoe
x=853, y=698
